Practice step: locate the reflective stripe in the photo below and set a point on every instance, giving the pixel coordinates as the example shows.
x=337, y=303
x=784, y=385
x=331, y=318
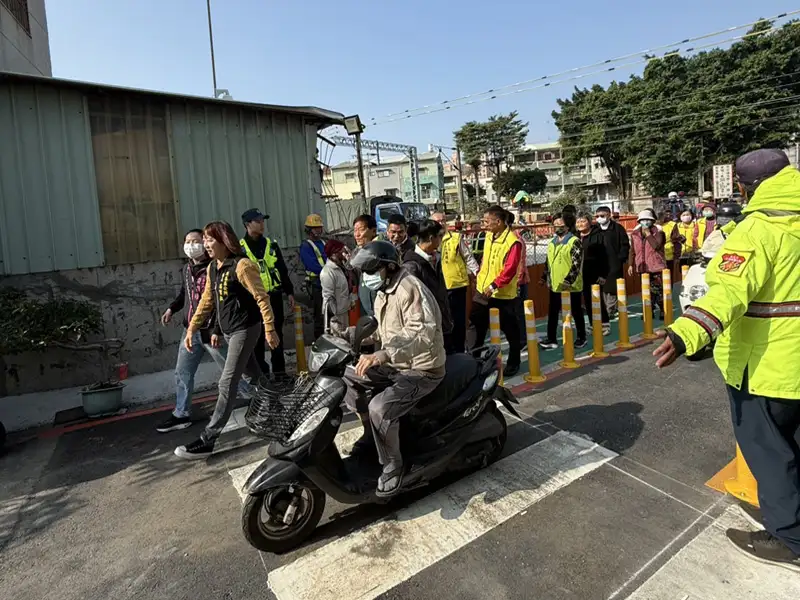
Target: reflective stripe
x=310, y=274
x=767, y=310
x=706, y=320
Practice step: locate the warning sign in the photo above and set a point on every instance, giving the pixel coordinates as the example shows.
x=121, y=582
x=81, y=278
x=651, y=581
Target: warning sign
x=723, y=182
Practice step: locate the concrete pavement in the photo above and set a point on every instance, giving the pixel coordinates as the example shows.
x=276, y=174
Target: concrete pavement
x=600, y=495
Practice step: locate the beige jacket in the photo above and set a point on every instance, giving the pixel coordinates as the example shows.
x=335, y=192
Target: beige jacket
x=336, y=296
x=409, y=326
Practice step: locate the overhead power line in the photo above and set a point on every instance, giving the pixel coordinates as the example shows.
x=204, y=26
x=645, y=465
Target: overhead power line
x=483, y=96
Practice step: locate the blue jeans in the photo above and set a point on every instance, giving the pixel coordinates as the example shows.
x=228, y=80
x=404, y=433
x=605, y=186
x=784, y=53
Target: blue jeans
x=186, y=368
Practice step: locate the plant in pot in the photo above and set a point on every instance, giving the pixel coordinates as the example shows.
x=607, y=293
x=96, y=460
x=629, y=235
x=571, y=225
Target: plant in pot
x=30, y=324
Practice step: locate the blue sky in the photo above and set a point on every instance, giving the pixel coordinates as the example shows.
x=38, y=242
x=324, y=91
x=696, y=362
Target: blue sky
x=375, y=57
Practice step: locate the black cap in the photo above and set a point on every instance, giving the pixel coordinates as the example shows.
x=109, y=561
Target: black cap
x=754, y=167
x=253, y=214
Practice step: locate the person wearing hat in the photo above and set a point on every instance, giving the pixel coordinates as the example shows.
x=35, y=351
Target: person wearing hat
x=336, y=298
x=312, y=254
x=648, y=255
x=706, y=221
x=264, y=251
x=752, y=311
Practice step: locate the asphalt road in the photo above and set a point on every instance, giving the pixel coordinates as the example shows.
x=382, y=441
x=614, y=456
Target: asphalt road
x=617, y=504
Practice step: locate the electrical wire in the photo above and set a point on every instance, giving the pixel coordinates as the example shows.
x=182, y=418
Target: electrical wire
x=455, y=103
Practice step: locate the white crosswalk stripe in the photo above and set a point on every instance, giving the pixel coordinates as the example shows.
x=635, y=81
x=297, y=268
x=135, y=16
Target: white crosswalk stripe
x=427, y=531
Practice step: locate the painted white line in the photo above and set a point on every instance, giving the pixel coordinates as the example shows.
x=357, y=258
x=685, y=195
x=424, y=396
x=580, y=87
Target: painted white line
x=344, y=442
x=711, y=568
x=372, y=560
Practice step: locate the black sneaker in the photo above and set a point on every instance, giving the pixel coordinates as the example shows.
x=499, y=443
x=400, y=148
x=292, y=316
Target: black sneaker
x=581, y=343
x=752, y=514
x=764, y=547
x=197, y=450
x=174, y=423
x=548, y=345
x=510, y=369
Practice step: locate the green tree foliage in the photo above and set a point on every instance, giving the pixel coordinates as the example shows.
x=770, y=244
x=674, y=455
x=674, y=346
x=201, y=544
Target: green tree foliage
x=509, y=183
x=685, y=114
x=492, y=141
x=572, y=196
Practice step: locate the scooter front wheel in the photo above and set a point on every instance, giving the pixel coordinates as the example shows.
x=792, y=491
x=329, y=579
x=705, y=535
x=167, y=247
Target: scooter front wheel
x=281, y=518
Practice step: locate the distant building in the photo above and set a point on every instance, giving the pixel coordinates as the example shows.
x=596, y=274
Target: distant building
x=24, y=41
x=392, y=176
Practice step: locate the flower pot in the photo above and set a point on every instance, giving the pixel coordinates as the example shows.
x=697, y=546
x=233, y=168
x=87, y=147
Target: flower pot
x=102, y=400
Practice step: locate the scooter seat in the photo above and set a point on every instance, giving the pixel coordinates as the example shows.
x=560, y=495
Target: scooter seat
x=460, y=370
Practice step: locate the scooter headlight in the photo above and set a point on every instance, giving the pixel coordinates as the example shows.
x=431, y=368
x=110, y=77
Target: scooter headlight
x=489, y=382
x=310, y=424
x=697, y=291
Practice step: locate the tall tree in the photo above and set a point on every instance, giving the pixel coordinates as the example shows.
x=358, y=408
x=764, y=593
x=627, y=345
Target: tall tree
x=491, y=142
x=470, y=139
x=508, y=183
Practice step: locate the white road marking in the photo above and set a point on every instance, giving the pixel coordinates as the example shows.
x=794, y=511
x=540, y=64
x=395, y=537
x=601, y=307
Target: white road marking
x=711, y=568
x=372, y=560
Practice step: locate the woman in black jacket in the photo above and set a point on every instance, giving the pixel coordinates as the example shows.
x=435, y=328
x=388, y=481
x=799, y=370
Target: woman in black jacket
x=595, y=266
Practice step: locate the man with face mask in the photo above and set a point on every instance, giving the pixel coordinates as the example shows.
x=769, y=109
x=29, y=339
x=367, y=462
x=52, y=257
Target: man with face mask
x=265, y=252
x=408, y=366
x=617, y=246
x=752, y=310
x=705, y=224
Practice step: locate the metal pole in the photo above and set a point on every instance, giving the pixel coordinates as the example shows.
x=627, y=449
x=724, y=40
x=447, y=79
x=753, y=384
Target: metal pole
x=211, y=43
x=461, y=205
x=361, y=172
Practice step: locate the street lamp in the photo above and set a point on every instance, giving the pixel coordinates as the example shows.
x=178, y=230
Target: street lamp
x=354, y=127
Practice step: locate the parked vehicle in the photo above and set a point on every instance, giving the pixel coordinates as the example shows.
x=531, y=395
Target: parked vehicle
x=457, y=428
x=382, y=207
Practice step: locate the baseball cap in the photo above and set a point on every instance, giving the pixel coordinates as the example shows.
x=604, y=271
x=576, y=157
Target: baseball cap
x=754, y=167
x=253, y=214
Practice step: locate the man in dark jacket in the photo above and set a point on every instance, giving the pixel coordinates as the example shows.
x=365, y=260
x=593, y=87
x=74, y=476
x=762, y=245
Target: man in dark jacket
x=618, y=246
x=264, y=251
x=397, y=233
x=425, y=264
x=595, y=265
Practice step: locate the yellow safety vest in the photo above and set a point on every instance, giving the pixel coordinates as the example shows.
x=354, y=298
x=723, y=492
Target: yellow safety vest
x=494, y=259
x=311, y=274
x=266, y=266
x=752, y=307
x=687, y=231
x=559, y=263
x=669, y=248
x=702, y=224
x=453, y=265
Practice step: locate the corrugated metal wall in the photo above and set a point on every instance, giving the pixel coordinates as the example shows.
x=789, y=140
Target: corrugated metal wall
x=226, y=160
x=49, y=217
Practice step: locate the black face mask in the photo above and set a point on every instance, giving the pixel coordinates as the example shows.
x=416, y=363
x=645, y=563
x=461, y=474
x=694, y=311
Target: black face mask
x=561, y=230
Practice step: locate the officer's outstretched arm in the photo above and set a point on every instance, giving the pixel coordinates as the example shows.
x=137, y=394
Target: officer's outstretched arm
x=734, y=276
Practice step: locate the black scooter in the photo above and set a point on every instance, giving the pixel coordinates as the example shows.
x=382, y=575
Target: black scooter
x=457, y=428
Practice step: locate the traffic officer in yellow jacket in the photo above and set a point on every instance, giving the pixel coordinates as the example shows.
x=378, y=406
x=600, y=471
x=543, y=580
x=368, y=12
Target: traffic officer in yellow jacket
x=458, y=266
x=496, y=285
x=752, y=310
x=265, y=252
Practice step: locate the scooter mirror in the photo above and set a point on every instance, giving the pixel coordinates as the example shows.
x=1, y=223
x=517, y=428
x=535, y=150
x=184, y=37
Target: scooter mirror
x=365, y=327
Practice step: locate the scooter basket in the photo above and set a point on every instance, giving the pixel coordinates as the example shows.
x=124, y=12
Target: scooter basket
x=277, y=409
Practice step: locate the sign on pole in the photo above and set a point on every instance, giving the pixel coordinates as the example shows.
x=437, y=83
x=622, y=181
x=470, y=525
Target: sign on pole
x=723, y=181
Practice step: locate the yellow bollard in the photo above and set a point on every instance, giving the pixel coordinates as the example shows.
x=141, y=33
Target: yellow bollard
x=666, y=276
x=534, y=368
x=566, y=305
x=569, y=344
x=598, y=350
x=622, y=306
x=744, y=486
x=647, y=308
x=684, y=272
x=299, y=339
x=494, y=335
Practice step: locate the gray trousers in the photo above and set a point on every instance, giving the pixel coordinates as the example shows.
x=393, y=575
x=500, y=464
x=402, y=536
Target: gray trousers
x=393, y=393
x=240, y=361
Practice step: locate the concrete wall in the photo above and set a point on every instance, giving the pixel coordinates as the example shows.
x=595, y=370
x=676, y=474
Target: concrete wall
x=132, y=299
x=20, y=51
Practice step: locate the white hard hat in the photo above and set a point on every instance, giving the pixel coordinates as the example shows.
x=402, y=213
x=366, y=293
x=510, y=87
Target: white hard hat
x=673, y=194
x=708, y=195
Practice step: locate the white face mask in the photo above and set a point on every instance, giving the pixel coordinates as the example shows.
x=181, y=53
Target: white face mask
x=194, y=250
x=372, y=281
x=686, y=218
x=602, y=220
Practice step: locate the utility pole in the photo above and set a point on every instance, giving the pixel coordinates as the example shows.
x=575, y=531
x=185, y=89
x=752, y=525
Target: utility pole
x=461, y=204
x=360, y=161
x=211, y=43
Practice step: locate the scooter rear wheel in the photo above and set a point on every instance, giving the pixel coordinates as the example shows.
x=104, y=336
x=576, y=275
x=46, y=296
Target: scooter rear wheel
x=263, y=517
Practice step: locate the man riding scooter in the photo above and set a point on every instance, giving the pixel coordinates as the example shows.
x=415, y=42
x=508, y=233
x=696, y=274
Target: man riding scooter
x=408, y=366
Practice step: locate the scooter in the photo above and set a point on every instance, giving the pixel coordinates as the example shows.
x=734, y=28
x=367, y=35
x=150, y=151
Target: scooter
x=456, y=428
